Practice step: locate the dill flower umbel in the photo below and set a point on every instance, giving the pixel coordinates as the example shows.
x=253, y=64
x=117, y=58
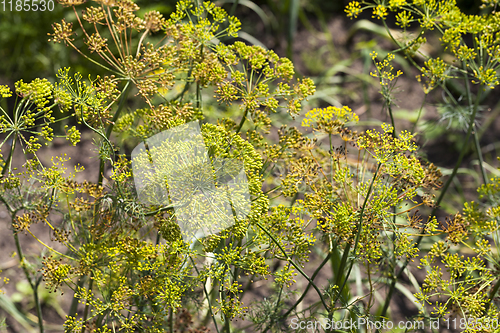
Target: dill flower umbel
x=353, y=9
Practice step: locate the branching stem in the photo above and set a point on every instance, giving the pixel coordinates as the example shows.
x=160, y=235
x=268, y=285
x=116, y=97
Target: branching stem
x=297, y=267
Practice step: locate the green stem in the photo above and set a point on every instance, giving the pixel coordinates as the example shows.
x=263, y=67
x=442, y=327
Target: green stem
x=38, y=305
x=388, y=298
x=86, y=311
x=8, y=162
x=123, y=97
x=419, y=114
x=334, y=262
x=171, y=320
x=206, y=295
x=74, y=301
x=109, y=130
x=199, y=102
x=389, y=108
x=227, y=326
x=242, y=121
x=402, y=48
x=34, y=286
x=480, y=156
x=323, y=263
x=485, y=125
x=297, y=267
x=348, y=247
x=233, y=7
x=474, y=131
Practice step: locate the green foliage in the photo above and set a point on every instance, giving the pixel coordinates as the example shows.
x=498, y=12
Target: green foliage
x=130, y=264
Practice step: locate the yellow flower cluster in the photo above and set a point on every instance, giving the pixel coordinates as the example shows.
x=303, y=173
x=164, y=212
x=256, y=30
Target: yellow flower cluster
x=403, y=19
x=353, y=9
x=5, y=91
x=393, y=4
x=344, y=114
x=385, y=70
x=380, y=12
x=434, y=73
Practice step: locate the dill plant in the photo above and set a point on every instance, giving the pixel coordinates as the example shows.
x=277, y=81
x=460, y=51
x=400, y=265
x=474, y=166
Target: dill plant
x=472, y=58
x=125, y=261
x=354, y=193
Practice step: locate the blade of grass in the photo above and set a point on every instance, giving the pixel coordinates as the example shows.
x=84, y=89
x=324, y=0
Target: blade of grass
x=10, y=308
x=251, y=39
x=268, y=22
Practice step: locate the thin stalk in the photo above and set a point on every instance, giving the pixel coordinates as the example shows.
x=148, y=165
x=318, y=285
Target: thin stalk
x=297, y=267
x=227, y=326
x=34, y=286
x=480, y=156
x=124, y=94
x=86, y=311
x=419, y=114
x=242, y=121
x=38, y=305
x=402, y=48
x=331, y=158
x=92, y=60
x=316, y=272
x=392, y=287
x=233, y=7
x=199, y=102
x=140, y=43
x=474, y=131
x=348, y=247
x=207, y=296
x=485, y=125
x=8, y=162
x=389, y=108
